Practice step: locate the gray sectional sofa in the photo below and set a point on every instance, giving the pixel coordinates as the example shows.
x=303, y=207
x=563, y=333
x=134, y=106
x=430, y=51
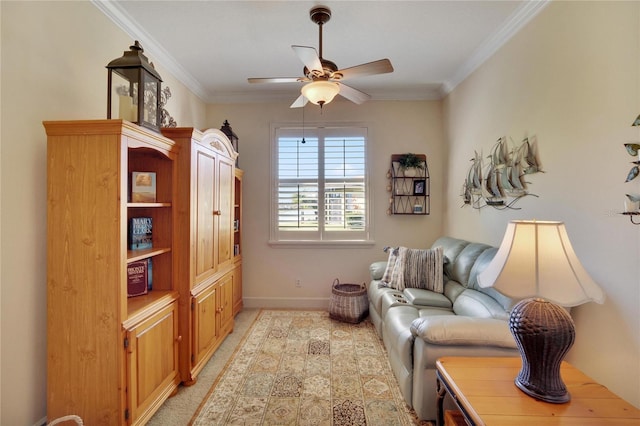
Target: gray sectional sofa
x=418, y=326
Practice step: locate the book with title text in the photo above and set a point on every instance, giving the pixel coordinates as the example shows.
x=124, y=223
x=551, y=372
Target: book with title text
x=140, y=233
x=139, y=277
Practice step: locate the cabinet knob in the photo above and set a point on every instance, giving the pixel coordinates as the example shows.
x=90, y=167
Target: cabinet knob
x=217, y=212
x=179, y=339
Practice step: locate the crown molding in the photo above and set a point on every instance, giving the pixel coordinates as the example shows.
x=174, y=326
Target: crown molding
x=289, y=96
x=513, y=25
x=114, y=12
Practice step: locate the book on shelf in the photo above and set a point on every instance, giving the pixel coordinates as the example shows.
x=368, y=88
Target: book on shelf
x=138, y=278
x=149, y=274
x=140, y=233
x=143, y=187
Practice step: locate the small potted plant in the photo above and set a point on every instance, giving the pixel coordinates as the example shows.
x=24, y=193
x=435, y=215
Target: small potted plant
x=410, y=164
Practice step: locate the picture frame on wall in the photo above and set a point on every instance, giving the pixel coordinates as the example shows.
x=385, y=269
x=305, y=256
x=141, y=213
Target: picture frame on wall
x=419, y=187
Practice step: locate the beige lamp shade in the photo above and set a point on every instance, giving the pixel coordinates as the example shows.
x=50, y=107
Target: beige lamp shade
x=320, y=92
x=536, y=259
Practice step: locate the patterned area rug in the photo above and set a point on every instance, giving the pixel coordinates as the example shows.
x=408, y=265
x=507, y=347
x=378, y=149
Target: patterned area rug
x=303, y=368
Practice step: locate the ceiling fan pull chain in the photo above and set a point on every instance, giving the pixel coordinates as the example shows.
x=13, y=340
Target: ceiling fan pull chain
x=303, y=141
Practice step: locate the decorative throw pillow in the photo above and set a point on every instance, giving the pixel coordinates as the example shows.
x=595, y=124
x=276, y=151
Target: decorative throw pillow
x=391, y=264
x=421, y=268
x=397, y=275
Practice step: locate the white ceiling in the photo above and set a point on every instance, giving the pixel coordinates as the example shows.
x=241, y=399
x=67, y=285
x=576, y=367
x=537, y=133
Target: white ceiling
x=214, y=46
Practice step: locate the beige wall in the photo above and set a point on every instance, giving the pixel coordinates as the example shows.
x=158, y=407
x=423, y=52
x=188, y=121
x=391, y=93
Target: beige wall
x=394, y=127
x=53, y=68
x=572, y=79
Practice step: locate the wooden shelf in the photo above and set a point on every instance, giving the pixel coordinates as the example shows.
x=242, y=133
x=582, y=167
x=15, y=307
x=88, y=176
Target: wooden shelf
x=135, y=255
x=141, y=307
x=144, y=205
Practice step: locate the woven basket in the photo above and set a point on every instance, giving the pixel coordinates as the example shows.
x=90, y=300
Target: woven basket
x=349, y=302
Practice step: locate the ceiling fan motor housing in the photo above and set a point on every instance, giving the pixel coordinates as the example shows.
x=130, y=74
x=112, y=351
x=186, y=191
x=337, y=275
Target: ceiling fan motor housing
x=329, y=71
x=320, y=14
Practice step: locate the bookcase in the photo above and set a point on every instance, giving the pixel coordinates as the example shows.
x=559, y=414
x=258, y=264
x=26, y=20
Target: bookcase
x=111, y=359
x=206, y=223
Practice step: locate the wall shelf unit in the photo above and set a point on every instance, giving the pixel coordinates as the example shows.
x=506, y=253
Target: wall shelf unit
x=410, y=187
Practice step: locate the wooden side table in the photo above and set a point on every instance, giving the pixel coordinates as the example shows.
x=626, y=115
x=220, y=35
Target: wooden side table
x=484, y=390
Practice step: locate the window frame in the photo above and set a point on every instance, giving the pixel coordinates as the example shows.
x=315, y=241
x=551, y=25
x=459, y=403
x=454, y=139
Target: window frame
x=320, y=238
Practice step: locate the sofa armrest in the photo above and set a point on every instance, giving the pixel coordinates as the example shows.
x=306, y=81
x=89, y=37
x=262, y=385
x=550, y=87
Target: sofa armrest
x=461, y=330
x=422, y=297
x=376, y=269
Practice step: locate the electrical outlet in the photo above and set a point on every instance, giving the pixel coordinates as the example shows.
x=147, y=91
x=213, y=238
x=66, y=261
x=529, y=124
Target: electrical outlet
x=298, y=283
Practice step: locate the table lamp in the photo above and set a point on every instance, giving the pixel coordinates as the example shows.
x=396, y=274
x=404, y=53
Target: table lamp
x=536, y=263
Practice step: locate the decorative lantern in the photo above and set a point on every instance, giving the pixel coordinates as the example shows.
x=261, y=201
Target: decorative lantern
x=227, y=130
x=135, y=83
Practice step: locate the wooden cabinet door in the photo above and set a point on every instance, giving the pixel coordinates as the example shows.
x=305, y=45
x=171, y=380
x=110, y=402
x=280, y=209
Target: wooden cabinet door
x=226, y=186
x=153, y=362
x=205, y=329
x=237, y=289
x=225, y=303
x=204, y=209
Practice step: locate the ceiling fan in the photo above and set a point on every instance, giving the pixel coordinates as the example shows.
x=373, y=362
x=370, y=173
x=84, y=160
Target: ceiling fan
x=322, y=78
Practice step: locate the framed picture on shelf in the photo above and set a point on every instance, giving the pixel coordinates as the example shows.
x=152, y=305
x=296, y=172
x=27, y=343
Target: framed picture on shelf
x=419, y=187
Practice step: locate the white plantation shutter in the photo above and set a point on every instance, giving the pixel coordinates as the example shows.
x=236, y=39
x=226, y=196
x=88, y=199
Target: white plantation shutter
x=298, y=183
x=321, y=185
x=344, y=195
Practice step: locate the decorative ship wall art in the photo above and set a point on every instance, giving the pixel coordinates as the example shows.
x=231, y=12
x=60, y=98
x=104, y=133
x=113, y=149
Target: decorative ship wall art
x=499, y=180
x=632, y=203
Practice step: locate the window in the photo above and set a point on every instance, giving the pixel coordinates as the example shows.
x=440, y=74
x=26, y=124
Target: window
x=320, y=189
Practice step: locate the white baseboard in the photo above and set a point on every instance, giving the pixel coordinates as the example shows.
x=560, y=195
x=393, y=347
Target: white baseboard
x=286, y=302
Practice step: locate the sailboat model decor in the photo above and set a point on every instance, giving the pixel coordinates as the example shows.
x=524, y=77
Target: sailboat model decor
x=500, y=182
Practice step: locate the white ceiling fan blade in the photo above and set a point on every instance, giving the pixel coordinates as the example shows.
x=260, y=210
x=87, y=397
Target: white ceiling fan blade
x=309, y=57
x=277, y=80
x=381, y=66
x=352, y=94
x=300, y=102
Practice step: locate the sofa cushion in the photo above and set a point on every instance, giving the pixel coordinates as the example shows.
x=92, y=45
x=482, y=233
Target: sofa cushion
x=481, y=264
x=460, y=330
x=419, y=268
x=422, y=297
x=472, y=303
x=452, y=248
x=376, y=269
x=453, y=289
x=461, y=268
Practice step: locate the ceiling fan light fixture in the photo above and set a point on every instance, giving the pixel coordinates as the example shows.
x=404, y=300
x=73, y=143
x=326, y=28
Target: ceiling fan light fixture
x=320, y=92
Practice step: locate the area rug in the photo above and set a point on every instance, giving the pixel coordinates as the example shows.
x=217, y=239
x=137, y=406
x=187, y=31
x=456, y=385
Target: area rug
x=303, y=368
